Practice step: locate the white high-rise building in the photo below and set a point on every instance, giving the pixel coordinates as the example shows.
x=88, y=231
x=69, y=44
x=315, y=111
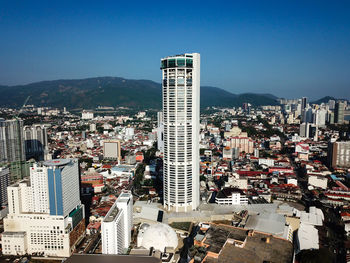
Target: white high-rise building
x=45, y=214
x=35, y=138
x=40, y=189
x=117, y=224
x=181, y=91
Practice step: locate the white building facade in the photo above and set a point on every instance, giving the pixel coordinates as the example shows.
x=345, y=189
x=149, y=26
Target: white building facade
x=40, y=220
x=117, y=224
x=235, y=198
x=181, y=106
x=87, y=115
x=160, y=132
x=318, y=181
x=111, y=149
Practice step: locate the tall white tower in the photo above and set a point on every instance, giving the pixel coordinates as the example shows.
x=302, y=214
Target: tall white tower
x=181, y=91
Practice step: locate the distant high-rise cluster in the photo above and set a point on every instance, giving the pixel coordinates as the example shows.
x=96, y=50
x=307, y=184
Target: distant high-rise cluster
x=181, y=92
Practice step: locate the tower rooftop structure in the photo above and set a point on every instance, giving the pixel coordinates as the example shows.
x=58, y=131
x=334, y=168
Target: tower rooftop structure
x=57, y=162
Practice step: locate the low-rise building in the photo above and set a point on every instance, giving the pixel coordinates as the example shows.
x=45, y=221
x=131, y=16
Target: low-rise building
x=231, y=196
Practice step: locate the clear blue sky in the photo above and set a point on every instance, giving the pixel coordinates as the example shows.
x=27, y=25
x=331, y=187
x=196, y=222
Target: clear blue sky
x=287, y=48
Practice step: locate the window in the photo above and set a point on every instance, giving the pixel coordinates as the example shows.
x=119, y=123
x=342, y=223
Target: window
x=189, y=62
x=171, y=63
x=180, y=62
x=164, y=63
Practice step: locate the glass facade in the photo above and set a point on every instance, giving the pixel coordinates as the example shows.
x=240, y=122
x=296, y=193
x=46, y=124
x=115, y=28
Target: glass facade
x=176, y=62
x=55, y=191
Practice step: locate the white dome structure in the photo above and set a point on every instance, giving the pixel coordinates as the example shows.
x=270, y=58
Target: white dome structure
x=159, y=236
x=144, y=227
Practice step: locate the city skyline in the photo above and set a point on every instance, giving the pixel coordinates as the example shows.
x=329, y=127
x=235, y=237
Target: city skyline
x=291, y=50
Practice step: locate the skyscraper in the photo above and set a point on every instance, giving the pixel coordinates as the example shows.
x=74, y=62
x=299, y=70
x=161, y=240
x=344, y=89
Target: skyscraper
x=339, y=112
x=303, y=103
x=181, y=91
x=35, y=138
x=4, y=183
x=11, y=141
x=12, y=147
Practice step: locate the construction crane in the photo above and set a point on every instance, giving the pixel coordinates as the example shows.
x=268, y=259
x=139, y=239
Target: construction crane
x=20, y=110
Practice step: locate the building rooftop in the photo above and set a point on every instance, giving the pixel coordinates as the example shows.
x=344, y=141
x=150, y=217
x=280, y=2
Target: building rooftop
x=113, y=212
x=57, y=162
x=239, y=245
x=111, y=259
x=272, y=223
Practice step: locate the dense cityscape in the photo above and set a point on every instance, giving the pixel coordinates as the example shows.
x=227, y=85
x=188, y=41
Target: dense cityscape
x=186, y=184
x=175, y=132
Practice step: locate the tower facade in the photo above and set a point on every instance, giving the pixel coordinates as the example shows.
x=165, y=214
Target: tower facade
x=181, y=109
x=339, y=112
x=35, y=138
x=117, y=225
x=11, y=141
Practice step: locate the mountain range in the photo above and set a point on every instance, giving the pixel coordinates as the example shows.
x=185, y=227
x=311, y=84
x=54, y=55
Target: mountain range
x=114, y=91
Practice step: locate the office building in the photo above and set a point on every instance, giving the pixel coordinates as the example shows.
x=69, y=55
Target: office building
x=339, y=154
x=35, y=139
x=117, y=224
x=308, y=130
x=4, y=183
x=45, y=214
x=12, y=148
x=227, y=153
x=11, y=141
x=129, y=133
x=87, y=115
x=244, y=144
x=320, y=117
x=231, y=196
x=339, y=112
x=92, y=127
x=181, y=92
x=307, y=115
x=303, y=103
x=111, y=149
